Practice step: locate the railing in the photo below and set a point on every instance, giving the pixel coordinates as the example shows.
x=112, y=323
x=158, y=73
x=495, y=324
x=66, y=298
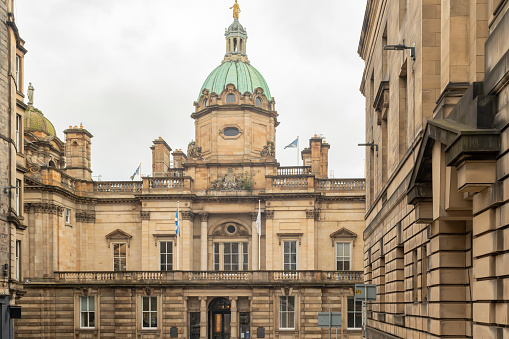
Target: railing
x=340, y=184
x=294, y=170
x=118, y=186
x=172, y=173
x=290, y=182
x=238, y=277
x=165, y=183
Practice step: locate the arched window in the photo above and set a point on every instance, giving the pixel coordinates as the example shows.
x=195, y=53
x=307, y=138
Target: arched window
x=259, y=101
x=231, y=98
x=52, y=164
x=205, y=103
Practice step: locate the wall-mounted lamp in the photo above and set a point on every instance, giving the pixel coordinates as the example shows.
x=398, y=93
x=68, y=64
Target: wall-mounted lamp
x=370, y=144
x=6, y=189
x=400, y=47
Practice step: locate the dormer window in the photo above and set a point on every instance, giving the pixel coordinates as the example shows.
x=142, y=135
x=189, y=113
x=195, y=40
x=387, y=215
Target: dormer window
x=258, y=101
x=231, y=98
x=205, y=103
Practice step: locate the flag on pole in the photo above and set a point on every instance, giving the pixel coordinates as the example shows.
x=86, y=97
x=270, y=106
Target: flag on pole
x=259, y=221
x=136, y=172
x=177, y=226
x=293, y=144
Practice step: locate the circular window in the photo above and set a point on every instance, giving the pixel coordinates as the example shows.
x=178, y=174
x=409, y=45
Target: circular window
x=231, y=132
x=258, y=101
x=231, y=98
x=231, y=229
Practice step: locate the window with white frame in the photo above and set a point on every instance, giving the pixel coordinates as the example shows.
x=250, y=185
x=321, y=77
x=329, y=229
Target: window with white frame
x=149, y=312
x=354, y=313
x=18, y=73
x=119, y=257
x=166, y=255
x=18, y=197
x=231, y=256
x=343, y=256
x=87, y=312
x=67, y=215
x=18, y=260
x=18, y=133
x=290, y=255
x=287, y=313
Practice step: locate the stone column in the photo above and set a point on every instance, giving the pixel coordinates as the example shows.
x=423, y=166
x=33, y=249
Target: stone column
x=203, y=317
x=186, y=241
x=269, y=254
x=204, y=217
x=234, y=318
x=185, y=317
x=254, y=242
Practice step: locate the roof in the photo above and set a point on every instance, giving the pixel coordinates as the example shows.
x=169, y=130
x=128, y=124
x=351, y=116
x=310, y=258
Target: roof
x=34, y=120
x=245, y=77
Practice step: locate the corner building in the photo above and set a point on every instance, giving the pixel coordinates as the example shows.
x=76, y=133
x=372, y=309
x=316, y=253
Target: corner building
x=436, y=114
x=103, y=260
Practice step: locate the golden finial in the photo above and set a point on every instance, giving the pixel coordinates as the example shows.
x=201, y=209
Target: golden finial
x=236, y=10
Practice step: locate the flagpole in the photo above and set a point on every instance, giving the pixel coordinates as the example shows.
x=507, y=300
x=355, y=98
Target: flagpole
x=298, y=150
x=178, y=237
x=140, y=171
x=259, y=240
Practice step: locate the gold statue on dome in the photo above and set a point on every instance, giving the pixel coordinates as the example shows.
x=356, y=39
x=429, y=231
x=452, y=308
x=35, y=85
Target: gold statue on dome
x=236, y=10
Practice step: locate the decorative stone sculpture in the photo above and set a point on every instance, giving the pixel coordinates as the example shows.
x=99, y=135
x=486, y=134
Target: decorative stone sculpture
x=193, y=151
x=30, y=94
x=236, y=10
x=231, y=181
x=269, y=150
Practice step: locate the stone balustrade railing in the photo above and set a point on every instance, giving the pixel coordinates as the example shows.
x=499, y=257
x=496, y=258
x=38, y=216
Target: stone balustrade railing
x=294, y=170
x=118, y=186
x=340, y=184
x=248, y=277
x=291, y=182
x=165, y=182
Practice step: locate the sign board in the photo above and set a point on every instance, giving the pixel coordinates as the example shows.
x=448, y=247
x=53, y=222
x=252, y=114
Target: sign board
x=324, y=317
x=174, y=332
x=365, y=292
x=260, y=332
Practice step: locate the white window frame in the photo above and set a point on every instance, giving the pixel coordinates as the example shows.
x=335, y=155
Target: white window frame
x=67, y=215
x=166, y=254
x=353, y=313
x=87, y=311
x=18, y=197
x=343, y=256
x=151, y=313
x=290, y=255
x=286, y=313
x=18, y=261
x=18, y=133
x=18, y=73
x=243, y=246
x=119, y=257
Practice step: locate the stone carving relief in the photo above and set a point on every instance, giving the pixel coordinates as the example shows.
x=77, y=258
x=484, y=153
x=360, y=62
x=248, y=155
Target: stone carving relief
x=193, y=151
x=221, y=230
x=269, y=150
x=232, y=181
x=85, y=216
x=145, y=215
x=45, y=208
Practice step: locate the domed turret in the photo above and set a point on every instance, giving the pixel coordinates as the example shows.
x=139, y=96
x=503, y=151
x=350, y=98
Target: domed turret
x=35, y=121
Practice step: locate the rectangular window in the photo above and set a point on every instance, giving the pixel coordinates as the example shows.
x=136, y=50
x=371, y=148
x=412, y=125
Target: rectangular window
x=245, y=256
x=18, y=259
x=18, y=197
x=343, y=256
x=119, y=257
x=354, y=313
x=216, y=257
x=18, y=133
x=149, y=312
x=290, y=255
x=67, y=215
x=18, y=73
x=87, y=312
x=287, y=313
x=166, y=255
x=195, y=325
x=231, y=256
x=245, y=325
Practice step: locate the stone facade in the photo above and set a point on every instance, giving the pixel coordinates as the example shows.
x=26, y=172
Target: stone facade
x=103, y=260
x=436, y=174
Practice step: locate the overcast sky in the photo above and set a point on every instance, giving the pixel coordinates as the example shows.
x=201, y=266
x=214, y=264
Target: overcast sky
x=130, y=70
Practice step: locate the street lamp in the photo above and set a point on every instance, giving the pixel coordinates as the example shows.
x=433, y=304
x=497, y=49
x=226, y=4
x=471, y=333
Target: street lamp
x=401, y=47
x=370, y=144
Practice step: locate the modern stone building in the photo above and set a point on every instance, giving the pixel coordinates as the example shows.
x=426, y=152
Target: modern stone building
x=12, y=223
x=103, y=260
x=436, y=238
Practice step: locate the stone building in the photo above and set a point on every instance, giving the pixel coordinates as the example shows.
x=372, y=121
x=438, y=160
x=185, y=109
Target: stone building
x=436, y=238
x=12, y=221
x=104, y=260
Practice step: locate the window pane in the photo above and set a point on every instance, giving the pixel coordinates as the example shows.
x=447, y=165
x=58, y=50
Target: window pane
x=146, y=304
x=91, y=322
x=291, y=303
x=91, y=306
x=347, y=266
x=83, y=303
x=291, y=320
x=84, y=319
x=153, y=303
x=231, y=98
x=346, y=250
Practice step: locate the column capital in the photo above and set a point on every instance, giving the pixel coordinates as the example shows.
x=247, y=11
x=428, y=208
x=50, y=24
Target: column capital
x=269, y=214
x=202, y=298
x=204, y=216
x=233, y=298
x=187, y=215
x=254, y=216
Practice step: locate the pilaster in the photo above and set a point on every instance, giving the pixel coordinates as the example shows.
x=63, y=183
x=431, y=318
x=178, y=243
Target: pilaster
x=204, y=217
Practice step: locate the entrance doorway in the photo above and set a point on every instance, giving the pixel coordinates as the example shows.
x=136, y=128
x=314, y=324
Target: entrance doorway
x=219, y=319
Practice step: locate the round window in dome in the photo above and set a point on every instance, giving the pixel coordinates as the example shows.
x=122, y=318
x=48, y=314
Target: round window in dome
x=231, y=229
x=231, y=131
x=259, y=101
x=231, y=98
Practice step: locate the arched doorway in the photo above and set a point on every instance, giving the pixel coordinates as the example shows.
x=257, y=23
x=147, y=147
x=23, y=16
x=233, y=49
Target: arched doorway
x=219, y=319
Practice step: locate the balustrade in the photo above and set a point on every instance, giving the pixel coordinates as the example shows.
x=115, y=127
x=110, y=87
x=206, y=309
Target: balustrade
x=290, y=182
x=294, y=170
x=166, y=183
x=118, y=186
x=340, y=184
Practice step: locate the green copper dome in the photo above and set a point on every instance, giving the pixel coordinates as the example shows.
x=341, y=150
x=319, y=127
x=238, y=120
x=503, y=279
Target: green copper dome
x=244, y=76
x=35, y=121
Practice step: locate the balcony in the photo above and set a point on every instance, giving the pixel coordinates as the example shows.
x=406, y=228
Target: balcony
x=206, y=277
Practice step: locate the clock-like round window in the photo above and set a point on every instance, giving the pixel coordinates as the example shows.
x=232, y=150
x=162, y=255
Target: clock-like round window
x=231, y=132
x=231, y=229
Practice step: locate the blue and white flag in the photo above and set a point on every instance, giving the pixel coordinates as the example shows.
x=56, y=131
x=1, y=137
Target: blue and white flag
x=293, y=144
x=177, y=226
x=136, y=172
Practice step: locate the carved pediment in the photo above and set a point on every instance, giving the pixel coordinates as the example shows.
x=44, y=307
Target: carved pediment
x=118, y=235
x=343, y=233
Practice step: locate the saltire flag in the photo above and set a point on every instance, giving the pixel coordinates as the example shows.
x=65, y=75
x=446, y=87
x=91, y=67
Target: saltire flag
x=259, y=221
x=177, y=226
x=136, y=172
x=293, y=144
